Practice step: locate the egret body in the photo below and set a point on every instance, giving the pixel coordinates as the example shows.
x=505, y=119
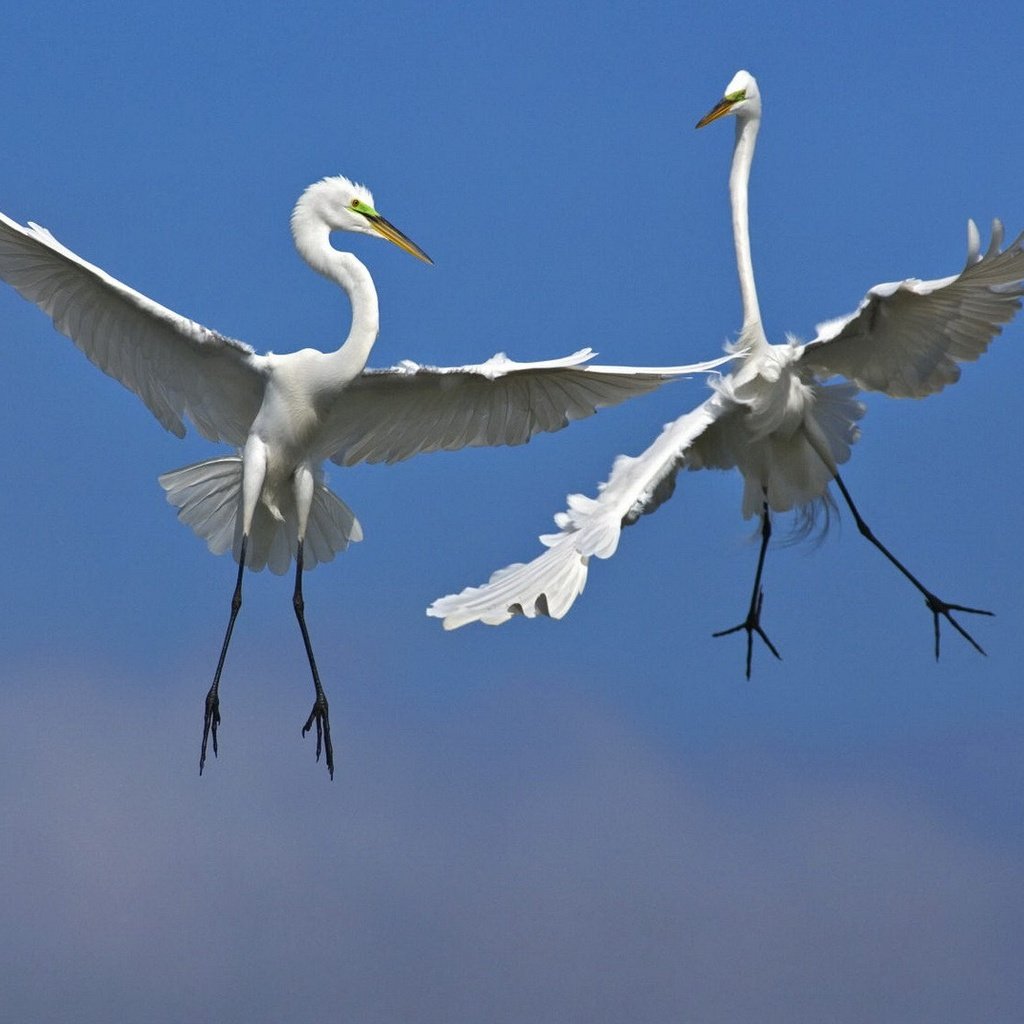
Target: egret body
x=286, y=414
x=773, y=416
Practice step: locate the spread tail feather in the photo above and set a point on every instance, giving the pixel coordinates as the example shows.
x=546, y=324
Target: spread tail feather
x=208, y=496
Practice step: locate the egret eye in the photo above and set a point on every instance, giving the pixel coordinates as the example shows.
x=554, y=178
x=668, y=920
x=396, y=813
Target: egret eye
x=354, y=204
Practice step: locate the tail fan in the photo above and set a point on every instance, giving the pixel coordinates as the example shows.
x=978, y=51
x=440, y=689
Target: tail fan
x=208, y=496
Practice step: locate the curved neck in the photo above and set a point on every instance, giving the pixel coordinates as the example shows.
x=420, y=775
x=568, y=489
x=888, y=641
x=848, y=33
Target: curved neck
x=313, y=241
x=739, y=178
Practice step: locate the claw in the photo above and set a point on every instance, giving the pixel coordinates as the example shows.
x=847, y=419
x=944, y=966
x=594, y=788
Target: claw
x=935, y=604
x=319, y=712
x=752, y=625
x=319, y=715
x=211, y=716
x=211, y=719
x=939, y=607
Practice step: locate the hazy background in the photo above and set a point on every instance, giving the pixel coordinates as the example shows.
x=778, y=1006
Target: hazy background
x=595, y=820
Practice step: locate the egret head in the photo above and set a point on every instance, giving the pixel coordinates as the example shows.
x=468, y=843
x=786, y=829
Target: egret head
x=741, y=98
x=342, y=205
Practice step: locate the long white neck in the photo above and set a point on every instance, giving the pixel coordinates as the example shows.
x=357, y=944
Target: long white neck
x=739, y=179
x=313, y=240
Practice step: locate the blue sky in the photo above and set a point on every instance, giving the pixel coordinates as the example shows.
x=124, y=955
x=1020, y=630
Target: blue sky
x=597, y=819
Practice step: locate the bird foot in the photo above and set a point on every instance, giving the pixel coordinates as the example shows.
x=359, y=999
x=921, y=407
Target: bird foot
x=323, y=731
x=939, y=607
x=211, y=719
x=752, y=625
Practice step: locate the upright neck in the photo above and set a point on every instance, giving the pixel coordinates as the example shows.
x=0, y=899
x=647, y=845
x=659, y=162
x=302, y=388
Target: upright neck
x=739, y=179
x=312, y=239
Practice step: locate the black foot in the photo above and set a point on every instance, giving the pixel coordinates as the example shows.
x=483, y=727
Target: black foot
x=752, y=625
x=323, y=731
x=211, y=719
x=935, y=604
x=939, y=607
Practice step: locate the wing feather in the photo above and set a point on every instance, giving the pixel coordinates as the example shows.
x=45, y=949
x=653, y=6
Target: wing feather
x=391, y=415
x=550, y=583
x=907, y=337
x=176, y=366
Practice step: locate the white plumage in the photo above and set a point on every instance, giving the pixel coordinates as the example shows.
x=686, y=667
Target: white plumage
x=772, y=417
x=286, y=414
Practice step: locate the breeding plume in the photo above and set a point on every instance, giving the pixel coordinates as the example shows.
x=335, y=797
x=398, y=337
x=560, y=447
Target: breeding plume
x=772, y=417
x=286, y=414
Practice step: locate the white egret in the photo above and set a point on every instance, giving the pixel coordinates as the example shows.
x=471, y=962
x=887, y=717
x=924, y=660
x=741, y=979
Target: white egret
x=286, y=414
x=771, y=417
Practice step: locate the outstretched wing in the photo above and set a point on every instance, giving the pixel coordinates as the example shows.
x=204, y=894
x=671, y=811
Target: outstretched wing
x=176, y=366
x=907, y=337
x=390, y=415
x=591, y=526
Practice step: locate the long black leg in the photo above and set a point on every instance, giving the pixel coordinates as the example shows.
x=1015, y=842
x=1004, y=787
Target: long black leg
x=752, y=623
x=211, y=718
x=935, y=604
x=319, y=712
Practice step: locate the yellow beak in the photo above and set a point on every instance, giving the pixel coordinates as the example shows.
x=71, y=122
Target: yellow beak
x=720, y=110
x=388, y=230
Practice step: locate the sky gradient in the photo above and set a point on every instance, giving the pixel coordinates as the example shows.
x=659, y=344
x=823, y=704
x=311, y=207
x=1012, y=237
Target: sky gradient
x=597, y=819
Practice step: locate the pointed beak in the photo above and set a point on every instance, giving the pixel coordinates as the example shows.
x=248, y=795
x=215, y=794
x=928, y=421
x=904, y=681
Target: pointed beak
x=388, y=230
x=720, y=110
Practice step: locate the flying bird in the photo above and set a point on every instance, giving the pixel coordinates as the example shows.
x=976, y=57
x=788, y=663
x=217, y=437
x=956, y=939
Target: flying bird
x=771, y=416
x=286, y=414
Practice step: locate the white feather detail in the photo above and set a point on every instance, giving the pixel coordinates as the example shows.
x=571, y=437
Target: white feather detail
x=208, y=496
x=589, y=527
x=389, y=415
x=907, y=338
